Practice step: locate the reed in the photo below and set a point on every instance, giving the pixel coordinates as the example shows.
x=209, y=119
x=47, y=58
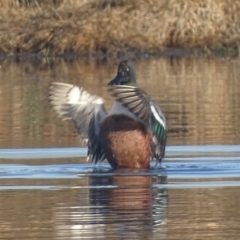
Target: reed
x=110, y=27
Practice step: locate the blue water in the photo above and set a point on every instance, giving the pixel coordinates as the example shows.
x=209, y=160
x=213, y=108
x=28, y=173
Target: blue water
x=81, y=152
x=216, y=166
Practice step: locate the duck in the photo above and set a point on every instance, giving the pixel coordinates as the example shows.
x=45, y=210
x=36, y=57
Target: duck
x=131, y=135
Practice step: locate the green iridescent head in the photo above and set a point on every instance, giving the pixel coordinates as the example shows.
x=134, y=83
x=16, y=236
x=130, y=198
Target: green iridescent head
x=125, y=75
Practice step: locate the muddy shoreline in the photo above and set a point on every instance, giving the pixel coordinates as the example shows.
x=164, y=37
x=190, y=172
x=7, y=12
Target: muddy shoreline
x=177, y=53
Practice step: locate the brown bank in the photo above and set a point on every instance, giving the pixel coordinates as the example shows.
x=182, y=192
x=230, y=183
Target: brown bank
x=112, y=27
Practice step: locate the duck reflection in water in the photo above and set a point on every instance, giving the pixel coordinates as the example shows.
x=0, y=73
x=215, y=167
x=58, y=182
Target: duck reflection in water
x=124, y=205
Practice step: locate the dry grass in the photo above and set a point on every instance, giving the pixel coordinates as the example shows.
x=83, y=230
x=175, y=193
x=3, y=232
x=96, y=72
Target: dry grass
x=114, y=26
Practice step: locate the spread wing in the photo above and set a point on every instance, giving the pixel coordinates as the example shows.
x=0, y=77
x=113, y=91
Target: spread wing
x=85, y=110
x=141, y=105
x=132, y=98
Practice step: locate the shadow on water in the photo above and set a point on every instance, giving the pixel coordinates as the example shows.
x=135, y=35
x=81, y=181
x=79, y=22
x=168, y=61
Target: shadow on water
x=48, y=191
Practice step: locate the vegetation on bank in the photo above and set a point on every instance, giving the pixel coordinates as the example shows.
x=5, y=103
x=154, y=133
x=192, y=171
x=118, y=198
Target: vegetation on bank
x=112, y=27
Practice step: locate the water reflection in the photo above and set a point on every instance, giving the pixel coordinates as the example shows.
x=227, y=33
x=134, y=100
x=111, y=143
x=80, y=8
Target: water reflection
x=63, y=198
x=199, y=96
x=71, y=212
x=123, y=206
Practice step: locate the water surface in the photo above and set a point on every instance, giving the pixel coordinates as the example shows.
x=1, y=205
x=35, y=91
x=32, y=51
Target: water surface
x=49, y=191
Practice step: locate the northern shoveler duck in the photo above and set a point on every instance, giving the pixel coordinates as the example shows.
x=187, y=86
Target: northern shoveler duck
x=130, y=135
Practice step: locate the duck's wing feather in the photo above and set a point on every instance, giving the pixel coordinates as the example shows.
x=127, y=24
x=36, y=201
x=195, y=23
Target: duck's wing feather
x=85, y=110
x=159, y=131
x=136, y=100
x=141, y=105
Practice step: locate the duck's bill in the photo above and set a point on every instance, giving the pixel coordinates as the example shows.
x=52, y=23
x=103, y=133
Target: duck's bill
x=116, y=81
